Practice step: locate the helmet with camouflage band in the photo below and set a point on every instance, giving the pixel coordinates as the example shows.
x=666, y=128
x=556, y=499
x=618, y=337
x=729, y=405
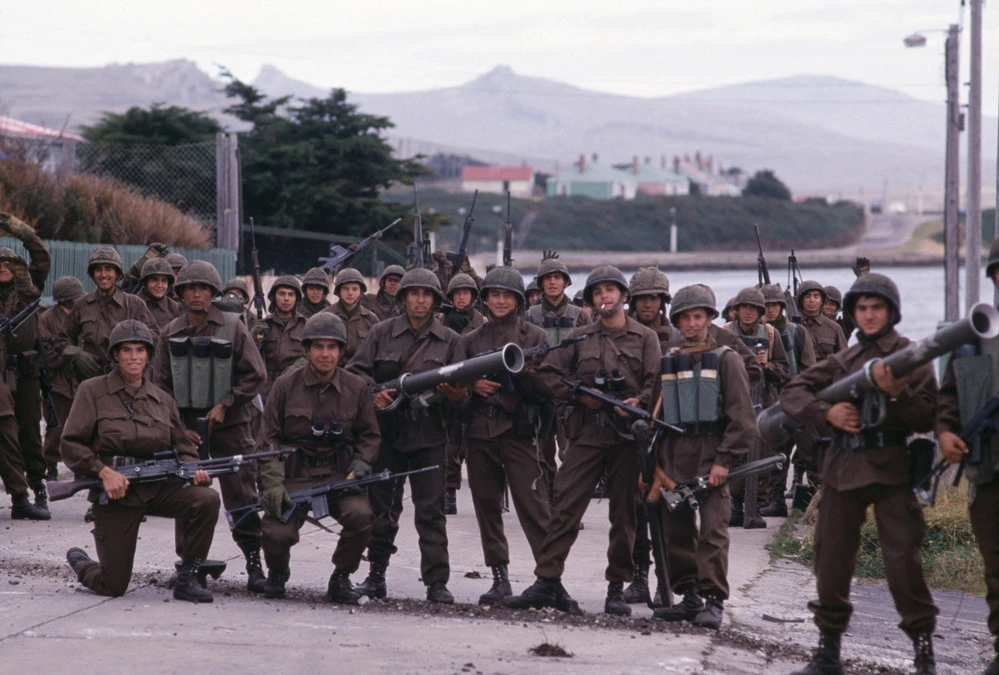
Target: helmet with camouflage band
x=650, y=281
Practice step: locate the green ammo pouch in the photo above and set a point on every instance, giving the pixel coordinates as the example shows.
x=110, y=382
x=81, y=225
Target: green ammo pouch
x=201, y=373
x=180, y=370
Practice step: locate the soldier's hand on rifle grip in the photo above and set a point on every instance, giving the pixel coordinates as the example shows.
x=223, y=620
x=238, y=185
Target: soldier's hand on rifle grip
x=717, y=476
x=384, y=398
x=194, y=437
x=844, y=416
x=485, y=388
x=201, y=477
x=590, y=402
x=115, y=484
x=761, y=357
x=628, y=401
x=952, y=447
x=452, y=392
x=886, y=380
x=215, y=416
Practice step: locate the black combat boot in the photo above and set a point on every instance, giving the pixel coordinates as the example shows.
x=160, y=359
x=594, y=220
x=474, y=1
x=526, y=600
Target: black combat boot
x=438, y=594
x=187, y=586
x=826, y=660
x=615, y=604
x=41, y=500
x=711, y=615
x=52, y=473
x=501, y=587
x=77, y=558
x=638, y=590
x=541, y=593
x=341, y=591
x=685, y=610
x=255, y=578
x=22, y=509
x=563, y=601
x=451, y=502
x=926, y=664
x=88, y=517
x=276, y=579
x=600, y=489
x=776, y=507
x=738, y=513
x=374, y=585
x=795, y=481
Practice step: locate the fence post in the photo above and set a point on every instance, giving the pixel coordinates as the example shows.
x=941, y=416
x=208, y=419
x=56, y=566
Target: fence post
x=227, y=191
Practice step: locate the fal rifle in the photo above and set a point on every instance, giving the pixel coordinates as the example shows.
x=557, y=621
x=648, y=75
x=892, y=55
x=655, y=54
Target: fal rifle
x=675, y=497
x=611, y=402
x=258, y=286
x=762, y=271
x=791, y=290
x=14, y=323
x=164, y=465
x=419, y=250
x=458, y=258
x=508, y=235
x=45, y=384
x=340, y=256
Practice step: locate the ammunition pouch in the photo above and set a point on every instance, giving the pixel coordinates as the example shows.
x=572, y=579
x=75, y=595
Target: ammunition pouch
x=221, y=369
x=201, y=367
x=201, y=373
x=692, y=395
x=180, y=370
x=867, y=440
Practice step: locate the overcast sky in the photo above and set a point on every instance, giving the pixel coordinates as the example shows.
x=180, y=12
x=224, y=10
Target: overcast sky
x=636, y=47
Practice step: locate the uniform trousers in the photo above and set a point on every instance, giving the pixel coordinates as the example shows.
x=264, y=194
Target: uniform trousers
x=697, y=557
x=354, y=514
x=984, y=513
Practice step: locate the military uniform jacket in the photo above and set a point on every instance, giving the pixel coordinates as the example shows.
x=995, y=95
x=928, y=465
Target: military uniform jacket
x=282, y=344
x=777, y=370
x=724, y=338
x=52, y=322
x=108, y=420
x=307, y=309
x=685, y=457
x=494, y=415
x=912, y=411
x=826, y=334
x=475, y=319
x=804, y=352
x=358, y=323
x=633, y=349
x=164, y=310
x=248, y=374
x=382, y=304
x=383, y=356
x=12, y=302
x=299, y=400
x=94, y=315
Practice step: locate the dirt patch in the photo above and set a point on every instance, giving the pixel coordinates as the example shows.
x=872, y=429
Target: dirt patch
x=549, y=649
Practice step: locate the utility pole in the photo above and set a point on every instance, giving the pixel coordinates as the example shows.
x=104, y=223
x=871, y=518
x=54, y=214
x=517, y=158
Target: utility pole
x=952, y=176
x=973, y=219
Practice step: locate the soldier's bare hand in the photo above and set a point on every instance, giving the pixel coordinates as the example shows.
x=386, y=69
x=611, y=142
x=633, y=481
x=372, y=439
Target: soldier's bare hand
x=201, y=477
x=590, y=402
x=886, y=380
x=844, y=416
x=761, y=357
x=114, y=483
x=384, y=398
x=952, y=447
x=215, y=416
x=452, y=392
x=717, y=476
x=628, y=401
x=194, y=437
x=485, y=388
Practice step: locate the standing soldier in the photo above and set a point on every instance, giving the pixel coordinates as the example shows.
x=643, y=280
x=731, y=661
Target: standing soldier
x=349, y=287
x=413, y=435
x=502, y=431
x=620, y=357
x=315, y=288
x=238, y=287
x=826, y=334
x=133, y=276
x=719, y=428
x=533, y=293
x=177, y=262
x=65, y=291
x=384, y=303
x=156, y=281
x=833, y=303
x=281, y=343
x=325, y=413
x=868, y=463
x=207, y=359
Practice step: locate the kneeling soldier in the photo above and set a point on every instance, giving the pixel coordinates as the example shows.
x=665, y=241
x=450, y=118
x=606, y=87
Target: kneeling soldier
x=327, y=414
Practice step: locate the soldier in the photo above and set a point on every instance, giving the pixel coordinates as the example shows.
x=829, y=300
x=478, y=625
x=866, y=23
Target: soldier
x=969, y=383
x=207, y=359
x=281, y=338
x=315, y=287
x=326, y=414
x=718, y=431
x=621, y=357
x=833, y=303
x=133, y=276
x=117, y=419
x=413, y=436
x=177, y=262
x=237, y=288
x=864, y=466
x=533, y=293
x=65, y=291
x=826, y=333
x=349, y=287
x=502, y=431
x=384, y=303
x=156, y=281
x=728, y=314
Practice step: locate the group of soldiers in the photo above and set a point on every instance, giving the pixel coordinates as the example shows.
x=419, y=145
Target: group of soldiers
x=165, y=355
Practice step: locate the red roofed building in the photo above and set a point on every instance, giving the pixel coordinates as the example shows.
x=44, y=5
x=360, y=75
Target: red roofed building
x=52, y=149
x=18, y=129
x=519, y=180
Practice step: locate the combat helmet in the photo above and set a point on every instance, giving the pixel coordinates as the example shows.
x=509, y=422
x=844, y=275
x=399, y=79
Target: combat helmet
x=66, y=288
x=176, y=260
x=751, y=296
x=773, y=293
x=551, y=264
x=348, y=275
x=807, y=286
x=420, y=277
x=873, y=283
x=833, y=295
x=650, y=281
x=285, y=281
x=324, y=326
x=155, y=266
x=390, y=271
x=317, y=277
x=198, y=272
x=462, y=280
x=105, y=255
x=690, y=297
x=505, y=279
x=130, y=330
x=7, y=254
x=603, y=273
x=993, y=262
x=238, y=285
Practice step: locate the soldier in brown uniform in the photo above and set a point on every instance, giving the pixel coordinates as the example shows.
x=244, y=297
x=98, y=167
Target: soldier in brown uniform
x=503, y=422
x=177, y=262
x=385, y=303
x=719, y=430
x=833, y=303
x=239, y=288
x=326, y=414
x=315, y=288
x=826, y=334
x=621, y=357
x=413, y=436
x=865, y=466
x=349, y=287
x=532, y=293
x=131, y=282
x=156, y=282
x=207, y=359
x=115, y=420
x=281, y=342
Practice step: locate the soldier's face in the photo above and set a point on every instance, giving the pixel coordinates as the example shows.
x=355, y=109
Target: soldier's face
x=133, y=357
x=324, y=355
x=647, y=307
x=533, y=297
x=871, y=314
x=6, y=276
x=314, y=294
x=811, y=303
x=197, y=297
x=349, y=294
x=748, y=314
x=605, y=296
x=418, y=302
x=461, y=298
x=693, y=323
x=391, y=285
x=105, y=277
x=553, y=285
x=284, y=300
x=773, y=312
x=830, y=309
x=501, y=303
x=158, y=285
